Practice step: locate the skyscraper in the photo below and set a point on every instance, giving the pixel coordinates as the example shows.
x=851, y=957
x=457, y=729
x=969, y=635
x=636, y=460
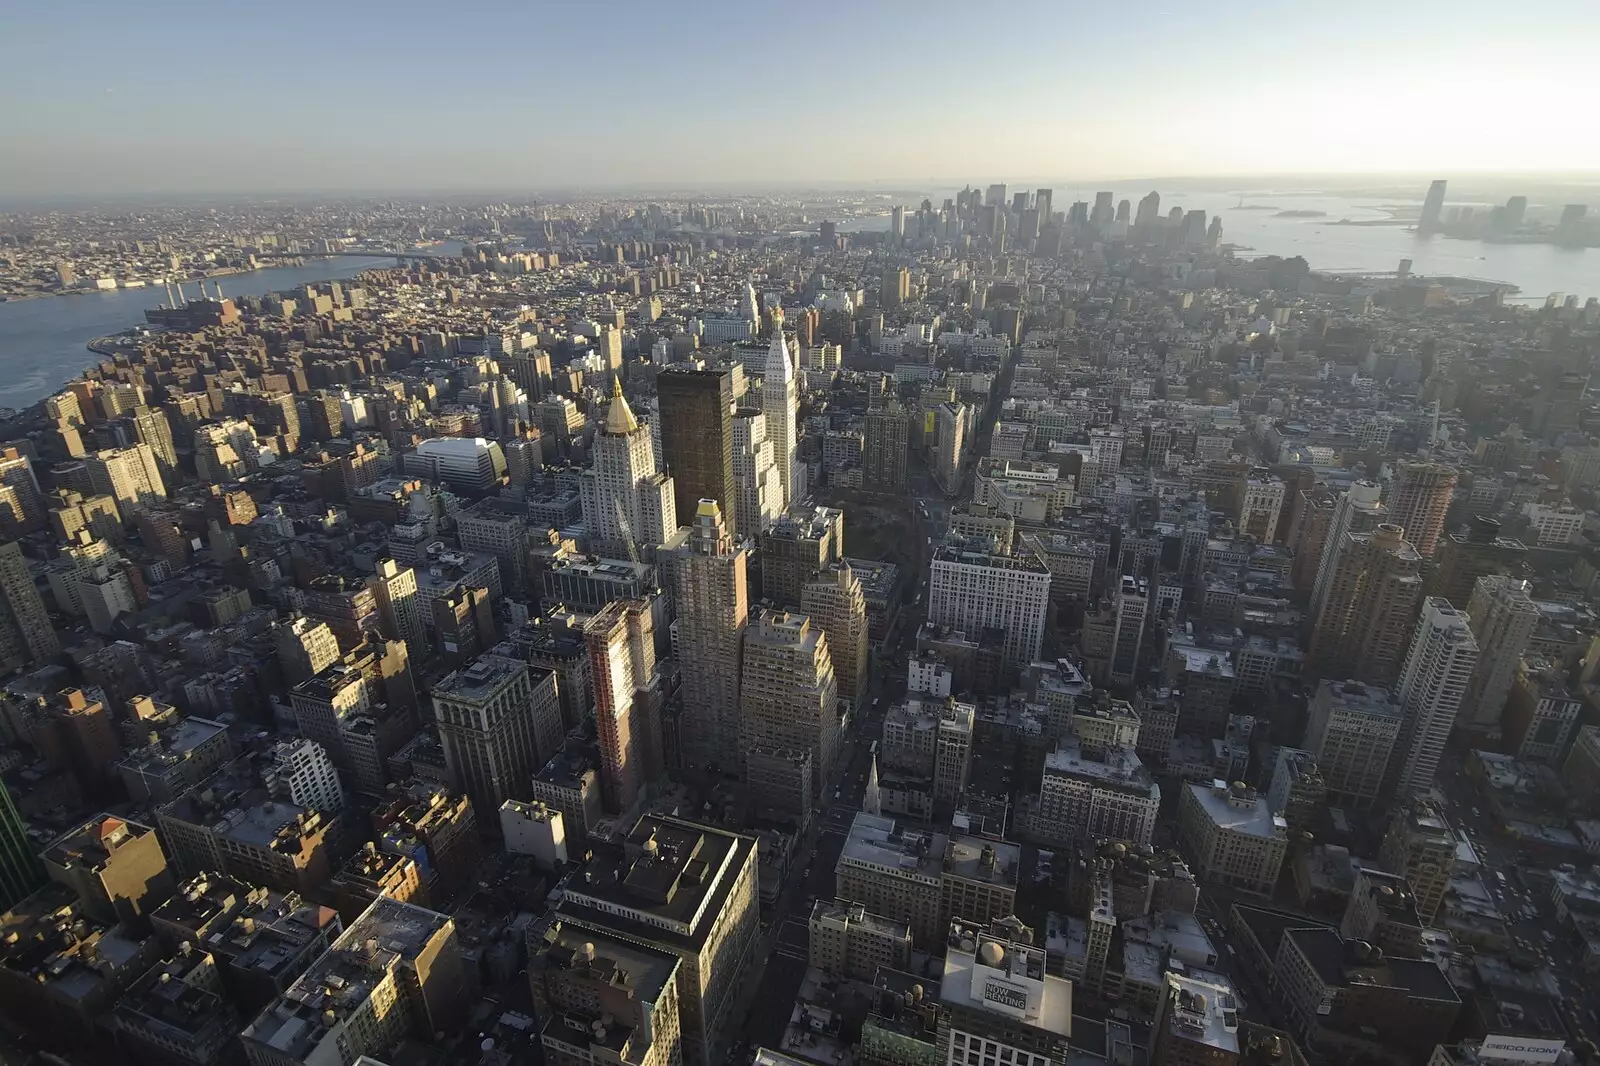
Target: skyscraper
x=398, y=971
x=686, y=889
x=306, y=647
x=1359, y=510
x=627, y=504
x=835, y=603
x=1463, y=559
x=1420, y=845
x=1149, y=212
x=1432, y=685
x=150, y=426
x=1371, y=603
x=129, y=475
x=788, y=691
x=952, y=421
x=1420, y=500
x=25, y=630
x=896, y=286
x=302, y=773
x=883, y=456
x=20, y=872
x=395, y=588
x=973, y=591
x=1432, y=208
x=23, y=506
x=1503, y=616
x=577, y=988
x=1351, y=730
x=622, y=662
x=706, y=571
x=499, y=720
x=758, y=489
x=780, y=402
x=1104, y=211
x=1308, y=537
x=697, y=438
x=1132, y=605
x=798, y=547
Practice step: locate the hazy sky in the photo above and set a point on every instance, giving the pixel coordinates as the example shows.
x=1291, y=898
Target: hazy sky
x=158, y=96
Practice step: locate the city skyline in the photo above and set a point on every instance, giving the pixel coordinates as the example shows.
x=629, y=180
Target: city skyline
x=1159, y=92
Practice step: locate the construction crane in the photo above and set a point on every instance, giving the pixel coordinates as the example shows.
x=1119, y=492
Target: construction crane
x=626, y=529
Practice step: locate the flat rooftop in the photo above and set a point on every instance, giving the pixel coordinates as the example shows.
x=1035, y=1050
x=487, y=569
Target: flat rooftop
x=343, y=978
x=667, y=880
x=1359, y=696
x=1120, y=768
x=480, y=680
x=875, y=841
x=1203, y=1012
x=841, y=910
x=966, y=857
x=1021, y=968
x=1254, y=817
x=1337, y=965
x=610, y=960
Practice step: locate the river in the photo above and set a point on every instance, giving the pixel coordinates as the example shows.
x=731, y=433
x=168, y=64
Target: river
x=43, y=341
x=1536, y=269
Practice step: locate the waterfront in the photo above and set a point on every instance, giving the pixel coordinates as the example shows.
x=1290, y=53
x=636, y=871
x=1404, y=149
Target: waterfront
x=1536, y=269
x=43, y=342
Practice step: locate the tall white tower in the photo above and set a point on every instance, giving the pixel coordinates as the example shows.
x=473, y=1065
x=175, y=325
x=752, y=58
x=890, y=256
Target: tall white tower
x=1432, y=685
x=626, y=501
x=758, y=487
x=1358, y=511
x=1503, y=617
x=752, y=307
x=780, y=402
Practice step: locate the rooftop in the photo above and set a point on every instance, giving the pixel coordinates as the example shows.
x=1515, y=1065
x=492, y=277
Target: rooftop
x=1360, y=696
x=1121, y=767
x=668, y=878
x=1238, y=811
x=979, y=859
x=875, y=841
x=1341, y=963
x=91, y=845
x=1202, y=1012
x=387, y=934
x=174, y=743
x=984, y=972
x=843, y=910
x=481, y=680
x=601, y=957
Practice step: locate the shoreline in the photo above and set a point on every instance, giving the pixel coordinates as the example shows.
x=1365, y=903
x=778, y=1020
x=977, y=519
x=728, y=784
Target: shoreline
x=223, y=272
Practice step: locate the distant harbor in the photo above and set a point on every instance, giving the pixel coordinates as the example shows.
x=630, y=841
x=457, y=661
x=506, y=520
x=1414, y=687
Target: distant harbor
x=43, y=343
x=1358, y=235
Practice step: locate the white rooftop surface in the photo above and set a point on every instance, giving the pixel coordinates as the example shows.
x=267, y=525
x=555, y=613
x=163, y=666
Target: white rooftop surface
x=1121, y=766
x=872, y=841
x=1255, y=820
x=1215, y=1023
x=957, y=988
x=465, y=447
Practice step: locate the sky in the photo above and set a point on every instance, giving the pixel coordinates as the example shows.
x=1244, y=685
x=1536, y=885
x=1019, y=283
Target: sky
x=153, y=96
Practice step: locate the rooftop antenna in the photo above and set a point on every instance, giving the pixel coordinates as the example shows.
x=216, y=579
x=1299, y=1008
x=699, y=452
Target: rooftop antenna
x=166, y=287
x=216, y=284
x=181, y=296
